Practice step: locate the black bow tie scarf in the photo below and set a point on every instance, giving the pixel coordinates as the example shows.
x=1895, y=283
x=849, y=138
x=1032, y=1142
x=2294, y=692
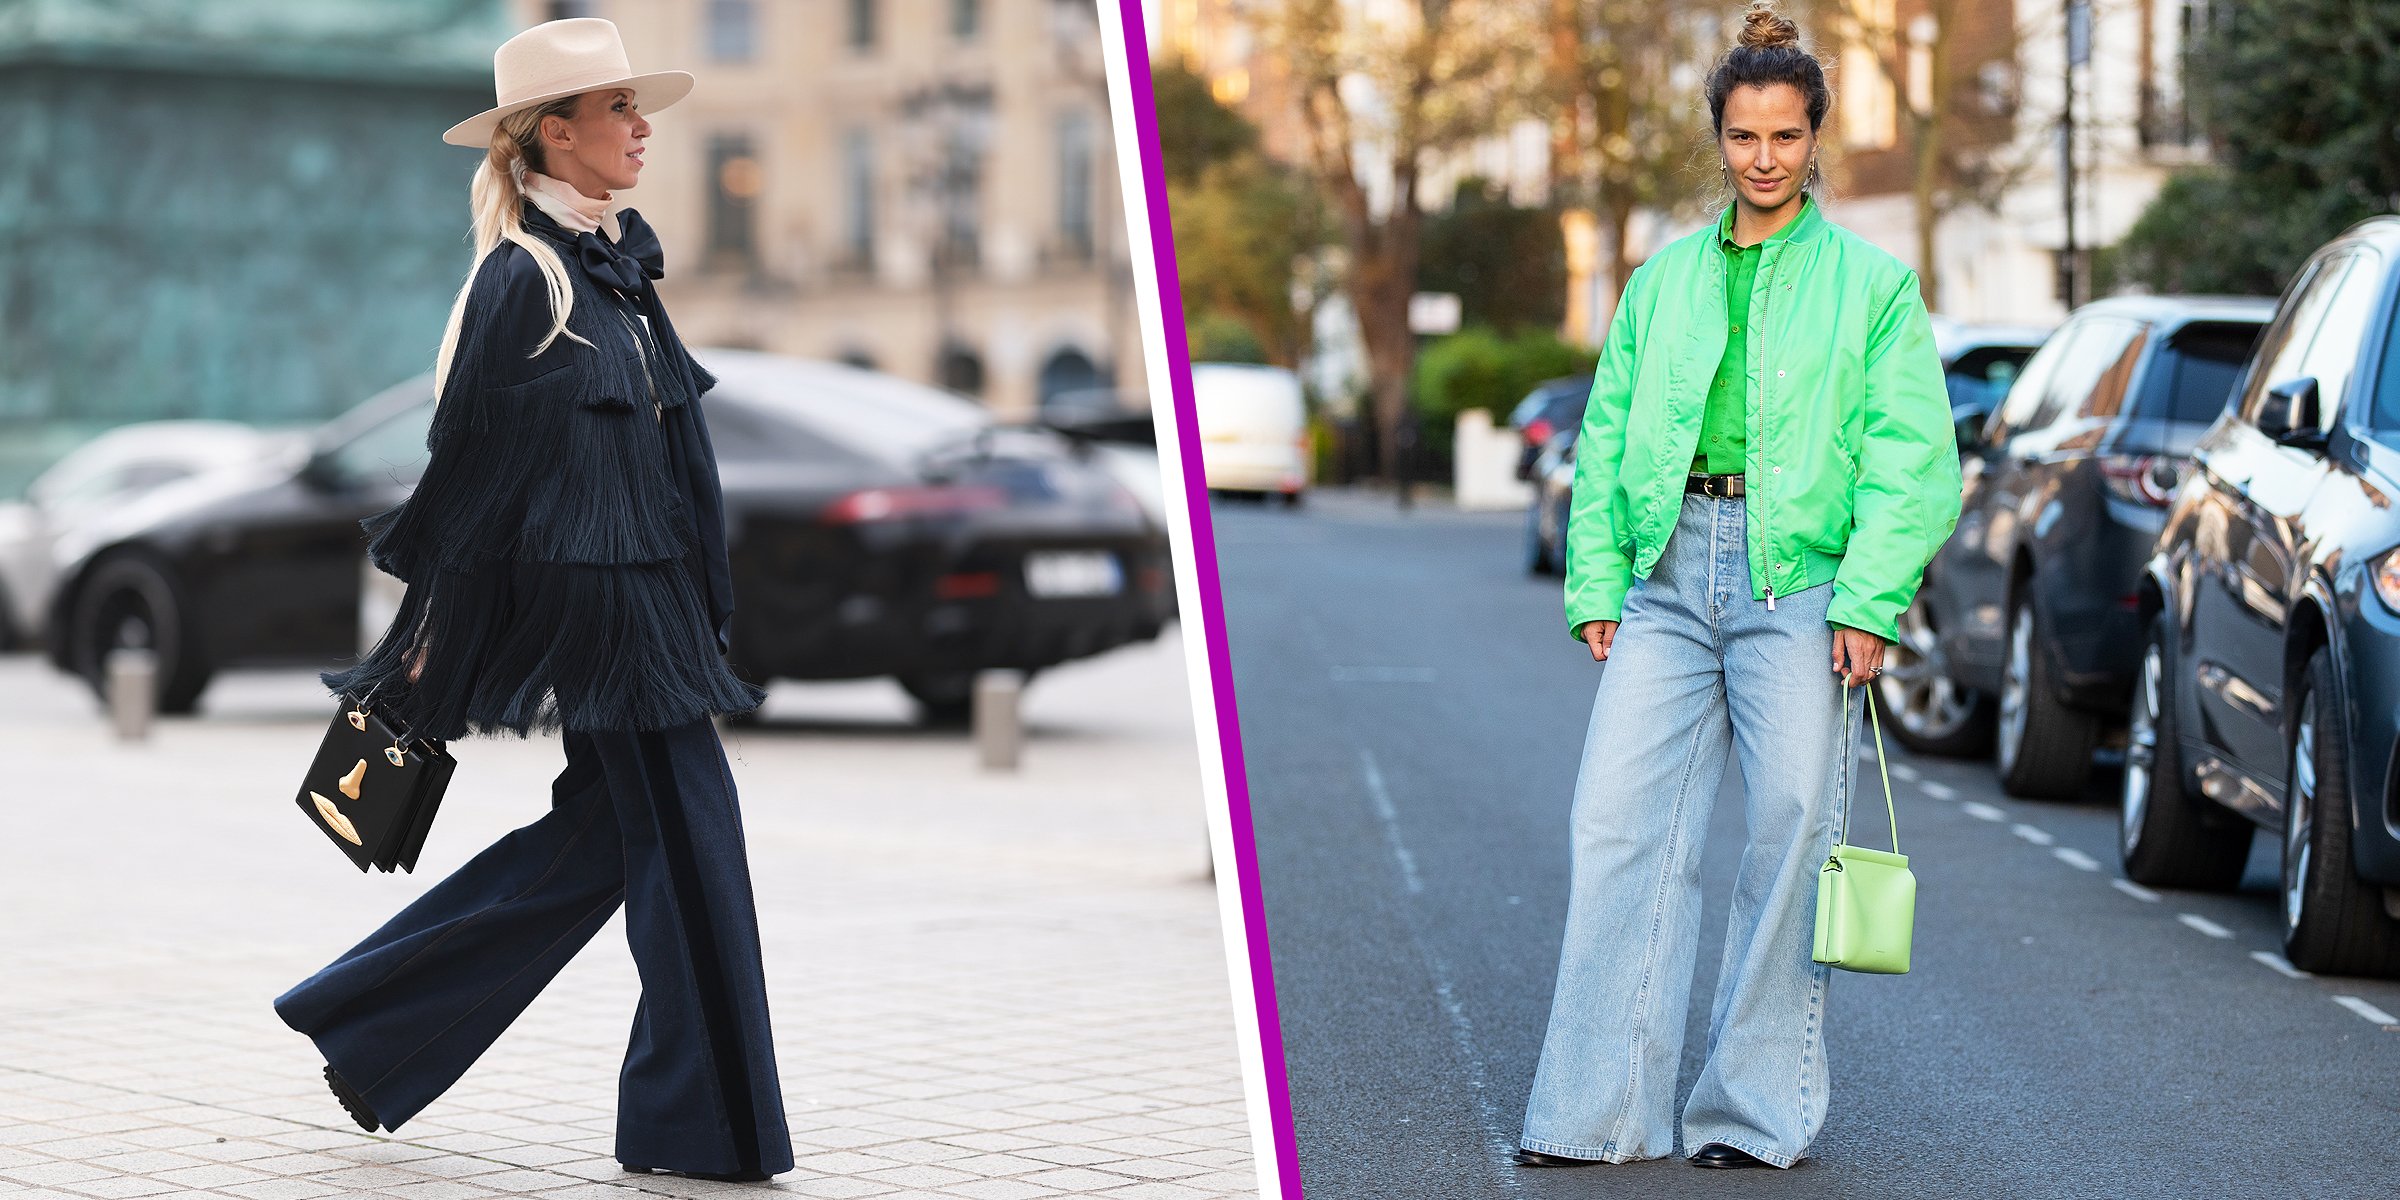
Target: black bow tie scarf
x=628, y=265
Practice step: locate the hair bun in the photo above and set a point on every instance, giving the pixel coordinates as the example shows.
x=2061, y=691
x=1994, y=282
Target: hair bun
x=1765, y=29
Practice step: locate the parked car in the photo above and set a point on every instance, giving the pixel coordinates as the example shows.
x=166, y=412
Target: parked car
x=1552, y=407
x=2023, y=632
x=1979, y=362
x=1253, y=427
x=2270, y=669
x=876, y=527
x=1553, y=476
x=110, y=470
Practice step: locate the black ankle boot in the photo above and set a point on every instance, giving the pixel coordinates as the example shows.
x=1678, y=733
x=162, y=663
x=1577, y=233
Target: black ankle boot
x=352, y=1102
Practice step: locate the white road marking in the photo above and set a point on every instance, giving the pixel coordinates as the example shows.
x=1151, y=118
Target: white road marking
x=2278, y=964
x=1383, y=674
x=2076, y=858
x=1382, y=800
x=2204, y=925
x=1905, y=771
x=2364, y=1009
x=1981, y=811
x=2039, y=837
x=2135, y=890
x=1939, y=791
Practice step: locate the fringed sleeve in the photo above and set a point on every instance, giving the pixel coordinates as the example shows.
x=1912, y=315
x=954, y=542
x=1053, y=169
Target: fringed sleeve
x=547, y=548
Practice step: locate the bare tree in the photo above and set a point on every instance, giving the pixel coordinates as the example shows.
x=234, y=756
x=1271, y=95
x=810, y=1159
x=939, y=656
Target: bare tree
x=1385, y=89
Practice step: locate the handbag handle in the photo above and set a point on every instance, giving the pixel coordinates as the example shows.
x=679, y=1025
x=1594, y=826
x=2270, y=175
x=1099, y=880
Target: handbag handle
x=1847, y=746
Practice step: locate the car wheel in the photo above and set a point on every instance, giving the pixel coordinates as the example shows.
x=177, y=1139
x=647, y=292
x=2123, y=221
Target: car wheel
x=2332, y=923
x=1291, y=499
x=1931, y=713
x=130, y=602
x=2045, y=748
x=946, y=698
x=2164, y=837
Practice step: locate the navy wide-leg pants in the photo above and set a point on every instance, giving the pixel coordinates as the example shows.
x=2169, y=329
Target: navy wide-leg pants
x=645, y=819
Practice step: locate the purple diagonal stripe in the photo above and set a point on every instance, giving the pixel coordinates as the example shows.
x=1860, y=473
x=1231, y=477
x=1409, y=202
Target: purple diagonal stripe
x=1286, y=1162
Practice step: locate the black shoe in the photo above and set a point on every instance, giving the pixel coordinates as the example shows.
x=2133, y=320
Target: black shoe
x=1535, y=1158
x=1718, y=1154
x=352, y=1102
x=751, y=1176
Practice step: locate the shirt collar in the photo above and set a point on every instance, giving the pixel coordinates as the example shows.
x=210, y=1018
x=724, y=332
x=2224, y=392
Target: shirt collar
x=574, y=211
x=1800, y=223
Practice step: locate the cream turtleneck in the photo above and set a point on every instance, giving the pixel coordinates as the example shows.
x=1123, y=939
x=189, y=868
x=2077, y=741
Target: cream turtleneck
x=571, y=208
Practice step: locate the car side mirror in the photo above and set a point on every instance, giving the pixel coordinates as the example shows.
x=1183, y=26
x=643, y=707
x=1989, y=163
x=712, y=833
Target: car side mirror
x=2290, y=414
x=320, y=474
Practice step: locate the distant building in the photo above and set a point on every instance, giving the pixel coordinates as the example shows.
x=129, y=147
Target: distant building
x=238, y=209
x=926, y=188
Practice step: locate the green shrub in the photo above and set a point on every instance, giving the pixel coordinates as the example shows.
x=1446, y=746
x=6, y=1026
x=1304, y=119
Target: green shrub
x=1216, y=337
x=1477, y=368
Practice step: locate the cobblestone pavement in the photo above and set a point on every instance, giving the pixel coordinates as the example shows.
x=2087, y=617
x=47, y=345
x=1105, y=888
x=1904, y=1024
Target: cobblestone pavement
x=985, y=985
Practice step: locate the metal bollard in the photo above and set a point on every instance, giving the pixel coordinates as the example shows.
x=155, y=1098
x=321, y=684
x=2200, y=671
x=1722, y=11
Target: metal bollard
x=132, y=673
x=999, y=729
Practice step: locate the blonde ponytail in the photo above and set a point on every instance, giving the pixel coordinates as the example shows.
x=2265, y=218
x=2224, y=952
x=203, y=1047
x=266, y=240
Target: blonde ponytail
x=495, y=199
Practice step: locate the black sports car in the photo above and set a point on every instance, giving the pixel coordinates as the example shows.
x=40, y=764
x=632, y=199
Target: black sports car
x=877, y=527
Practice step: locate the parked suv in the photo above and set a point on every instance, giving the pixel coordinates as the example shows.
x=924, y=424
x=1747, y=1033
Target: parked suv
x=2024, y=631
x=2270, y=680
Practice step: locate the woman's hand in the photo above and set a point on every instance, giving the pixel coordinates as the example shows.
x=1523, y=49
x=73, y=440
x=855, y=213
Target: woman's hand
x=1857, y=655
x=1598, y=635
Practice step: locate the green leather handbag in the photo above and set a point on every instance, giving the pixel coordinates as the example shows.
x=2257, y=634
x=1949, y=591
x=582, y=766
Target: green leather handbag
x=1866, y=899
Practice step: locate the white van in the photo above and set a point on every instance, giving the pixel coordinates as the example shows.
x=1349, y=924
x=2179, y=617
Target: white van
x=1253, y=429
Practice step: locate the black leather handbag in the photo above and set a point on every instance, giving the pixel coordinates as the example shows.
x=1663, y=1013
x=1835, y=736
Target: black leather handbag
x=374, y=790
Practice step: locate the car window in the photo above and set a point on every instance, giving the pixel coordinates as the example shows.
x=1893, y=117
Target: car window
x=2196, y=372
x=1979, y=378
x=390, y=451
x=2099, y=344
x=2025, y=395
x=743, y=433
x=2332, y=355
x=2107, y=395
x=2296, y=321
x=2384, y=414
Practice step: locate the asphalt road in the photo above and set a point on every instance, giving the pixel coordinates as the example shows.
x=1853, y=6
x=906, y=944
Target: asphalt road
x=1412, y=712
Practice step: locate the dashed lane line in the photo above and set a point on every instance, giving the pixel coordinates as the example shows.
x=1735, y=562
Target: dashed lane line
x=1382, y=800
x=1939, y=791
x=2204, y=925
x=2075, y=858
x=2135, y=890
x=1981, y=811
x=2369, y=1011
x=2278, y=964
x=2039, y=837
x=1907, y=773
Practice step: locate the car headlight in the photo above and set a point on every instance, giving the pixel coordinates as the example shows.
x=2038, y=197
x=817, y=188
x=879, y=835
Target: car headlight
x=2384, y=570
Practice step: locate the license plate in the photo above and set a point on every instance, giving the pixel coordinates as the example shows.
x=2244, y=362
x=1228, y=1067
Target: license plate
x=1055, y=574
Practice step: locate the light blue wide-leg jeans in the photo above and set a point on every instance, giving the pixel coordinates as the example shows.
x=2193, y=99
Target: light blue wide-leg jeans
x=1698, y=670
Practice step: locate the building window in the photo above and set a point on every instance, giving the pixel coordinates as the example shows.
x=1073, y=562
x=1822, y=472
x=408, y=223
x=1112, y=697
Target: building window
x=1071, y=384
x=961, y=369
x=862, y=25
x=962, y=199
x=732, y=31
x=1868, y=103
x=858, y=199
x=1075, y=146
x=966, y=19
x=560, y=10
x=734, y=182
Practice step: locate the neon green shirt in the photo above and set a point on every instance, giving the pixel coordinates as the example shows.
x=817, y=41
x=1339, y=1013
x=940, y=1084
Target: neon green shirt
x=1721, y=434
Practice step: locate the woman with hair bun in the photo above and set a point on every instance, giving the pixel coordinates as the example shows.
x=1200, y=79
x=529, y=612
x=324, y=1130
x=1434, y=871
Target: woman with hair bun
x=566, y=567
x=1765, y=468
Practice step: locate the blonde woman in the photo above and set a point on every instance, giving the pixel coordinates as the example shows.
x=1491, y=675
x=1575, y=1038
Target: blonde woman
x=565, y=556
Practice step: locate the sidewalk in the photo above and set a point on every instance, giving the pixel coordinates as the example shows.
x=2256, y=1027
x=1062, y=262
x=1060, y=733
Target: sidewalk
x=985, y=985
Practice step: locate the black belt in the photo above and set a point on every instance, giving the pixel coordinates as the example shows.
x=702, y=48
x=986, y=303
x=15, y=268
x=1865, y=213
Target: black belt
x=1721, y=486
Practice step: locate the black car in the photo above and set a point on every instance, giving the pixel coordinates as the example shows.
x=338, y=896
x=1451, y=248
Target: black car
x=1553, y=477
x=1554, y=405
x=876, y=527
x=2024, y=630
x=2270, y=668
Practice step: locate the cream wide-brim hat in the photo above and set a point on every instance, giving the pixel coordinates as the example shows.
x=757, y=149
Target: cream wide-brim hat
x=564, y=58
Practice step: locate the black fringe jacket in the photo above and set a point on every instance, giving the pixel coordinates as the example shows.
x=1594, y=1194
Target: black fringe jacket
x=565, y=549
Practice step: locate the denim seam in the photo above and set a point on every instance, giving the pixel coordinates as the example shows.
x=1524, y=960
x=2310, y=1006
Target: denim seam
x=556, y=862
x=609, y=901
x=1650, y=947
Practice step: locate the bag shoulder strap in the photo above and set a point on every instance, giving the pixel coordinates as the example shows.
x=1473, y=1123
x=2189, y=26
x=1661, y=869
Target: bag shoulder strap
x=1848, y=754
